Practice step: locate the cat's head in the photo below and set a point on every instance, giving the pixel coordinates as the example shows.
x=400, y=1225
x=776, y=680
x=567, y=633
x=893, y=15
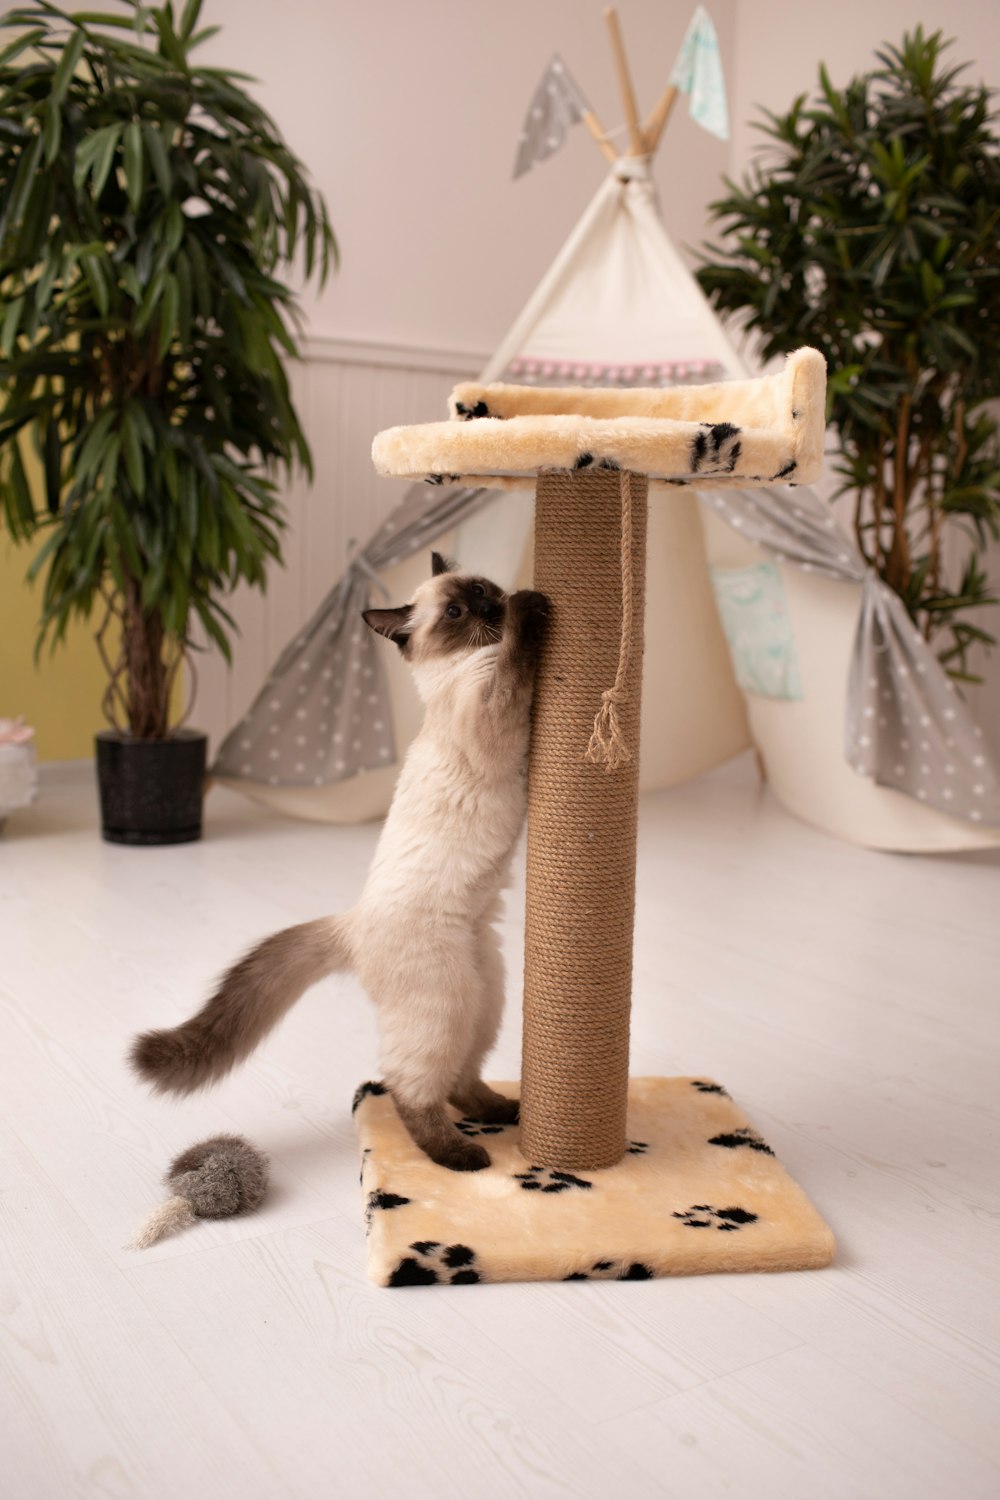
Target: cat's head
x=451, y=614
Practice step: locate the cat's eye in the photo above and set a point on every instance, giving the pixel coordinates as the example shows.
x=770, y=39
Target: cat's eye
x=453, y=611
x=478, y=589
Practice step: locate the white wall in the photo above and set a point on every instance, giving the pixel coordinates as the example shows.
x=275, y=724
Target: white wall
x=407, y=112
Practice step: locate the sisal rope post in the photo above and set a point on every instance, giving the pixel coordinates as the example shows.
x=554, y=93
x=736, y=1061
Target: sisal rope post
x=590, y=559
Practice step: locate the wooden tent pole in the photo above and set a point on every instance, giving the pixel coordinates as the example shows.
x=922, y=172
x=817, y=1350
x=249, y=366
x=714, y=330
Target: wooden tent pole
x=658, y=117
x=638, y=146
x=596, y=129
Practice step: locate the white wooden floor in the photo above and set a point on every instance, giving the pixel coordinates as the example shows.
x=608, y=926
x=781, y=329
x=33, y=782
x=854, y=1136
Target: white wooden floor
x=848, y=999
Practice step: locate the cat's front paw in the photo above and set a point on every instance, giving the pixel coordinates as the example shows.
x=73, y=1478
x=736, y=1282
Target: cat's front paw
x=530, y=601
x=530, y=610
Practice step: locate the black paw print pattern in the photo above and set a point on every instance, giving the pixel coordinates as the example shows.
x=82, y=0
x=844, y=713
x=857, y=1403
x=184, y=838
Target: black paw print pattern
x=636, y=1148
x=541, y=1179
x=703, y=1216
x=380, y=1201
x=716, y=448
x=432, y=1262
x=709, y=1088
x=744, y=1136
x=467, y=413
x=612, y=1270
x=362, y=1092
x=587, y=461
x=477, y=1127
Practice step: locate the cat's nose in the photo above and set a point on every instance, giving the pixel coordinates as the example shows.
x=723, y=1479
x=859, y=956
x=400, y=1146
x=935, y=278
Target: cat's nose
x=487, y=609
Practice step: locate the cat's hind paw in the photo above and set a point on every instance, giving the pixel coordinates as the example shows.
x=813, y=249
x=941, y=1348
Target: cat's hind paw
x=462, y=1156
x=484, y=1106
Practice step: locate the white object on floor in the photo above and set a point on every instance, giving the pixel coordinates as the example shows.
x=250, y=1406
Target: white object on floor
x=18, y=777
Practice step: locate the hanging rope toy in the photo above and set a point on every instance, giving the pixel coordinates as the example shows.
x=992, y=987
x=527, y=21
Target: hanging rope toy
x=215, y=1179
x=608, y=746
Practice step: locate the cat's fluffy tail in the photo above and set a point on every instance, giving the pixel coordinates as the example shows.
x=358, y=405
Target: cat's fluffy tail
x=251, y=998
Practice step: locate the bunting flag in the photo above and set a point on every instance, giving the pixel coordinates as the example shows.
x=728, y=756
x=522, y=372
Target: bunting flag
x=558, y=103
x=698, y=73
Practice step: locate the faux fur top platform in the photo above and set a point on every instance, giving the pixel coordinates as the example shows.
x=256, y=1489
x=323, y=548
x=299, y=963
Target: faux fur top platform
x=738, y=432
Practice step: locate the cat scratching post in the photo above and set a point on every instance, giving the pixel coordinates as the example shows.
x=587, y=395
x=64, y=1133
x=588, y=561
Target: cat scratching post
x=590, y=559
x=603, y=1179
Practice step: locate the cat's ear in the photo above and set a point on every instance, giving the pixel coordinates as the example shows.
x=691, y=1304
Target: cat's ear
x=441, y=564
x=394, y=624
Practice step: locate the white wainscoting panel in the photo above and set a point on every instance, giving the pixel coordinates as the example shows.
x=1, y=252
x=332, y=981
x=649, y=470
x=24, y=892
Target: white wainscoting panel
x=344, y=392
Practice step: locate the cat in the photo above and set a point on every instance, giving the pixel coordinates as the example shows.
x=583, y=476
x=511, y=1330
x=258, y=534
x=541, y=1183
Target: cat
x=421, y=936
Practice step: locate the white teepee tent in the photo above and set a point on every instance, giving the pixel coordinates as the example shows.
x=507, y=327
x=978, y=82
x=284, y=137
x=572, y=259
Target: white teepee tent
x=618, y=306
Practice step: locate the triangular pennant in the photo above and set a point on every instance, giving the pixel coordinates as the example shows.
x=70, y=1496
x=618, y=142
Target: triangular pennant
x=698, y=72
x=558, y=102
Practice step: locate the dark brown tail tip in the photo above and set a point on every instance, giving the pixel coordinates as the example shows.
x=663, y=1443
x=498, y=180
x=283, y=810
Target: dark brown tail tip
x=163, y=1060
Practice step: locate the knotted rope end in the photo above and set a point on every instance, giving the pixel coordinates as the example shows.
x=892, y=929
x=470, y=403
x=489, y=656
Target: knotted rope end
x=607, y=745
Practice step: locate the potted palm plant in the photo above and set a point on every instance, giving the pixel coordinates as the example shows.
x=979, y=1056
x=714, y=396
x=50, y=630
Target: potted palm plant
x=146, y=205
x=871, y=230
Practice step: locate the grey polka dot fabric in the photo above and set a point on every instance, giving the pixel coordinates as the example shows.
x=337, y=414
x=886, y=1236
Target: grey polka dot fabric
x=323, y=712
x=557, y=103
x=323, y=715
x=906, y=726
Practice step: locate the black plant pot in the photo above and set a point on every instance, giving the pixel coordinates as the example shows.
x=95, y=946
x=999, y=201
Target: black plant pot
x=151, y=790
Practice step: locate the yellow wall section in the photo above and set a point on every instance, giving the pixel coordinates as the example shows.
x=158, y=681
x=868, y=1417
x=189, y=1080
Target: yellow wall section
x=60, y=694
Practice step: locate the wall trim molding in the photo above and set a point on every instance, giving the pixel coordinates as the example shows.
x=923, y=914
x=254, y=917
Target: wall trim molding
x=73, y=772
x=322, y=349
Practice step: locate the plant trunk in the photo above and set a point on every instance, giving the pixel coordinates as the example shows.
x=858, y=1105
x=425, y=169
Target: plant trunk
x=145, y=671
x=936, y=515
x=898, y=564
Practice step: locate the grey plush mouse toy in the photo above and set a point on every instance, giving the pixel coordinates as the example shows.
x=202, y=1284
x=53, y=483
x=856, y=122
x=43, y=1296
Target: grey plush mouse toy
x=216, y=1179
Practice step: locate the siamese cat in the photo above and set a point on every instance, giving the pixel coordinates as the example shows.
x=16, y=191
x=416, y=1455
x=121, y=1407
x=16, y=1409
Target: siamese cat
x=421, y=937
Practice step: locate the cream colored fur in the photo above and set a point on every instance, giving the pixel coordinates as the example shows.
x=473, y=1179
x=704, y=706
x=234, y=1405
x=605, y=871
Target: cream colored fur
x=173, y=1215
x=529, y=428
x=766, y=401
x=421, y=935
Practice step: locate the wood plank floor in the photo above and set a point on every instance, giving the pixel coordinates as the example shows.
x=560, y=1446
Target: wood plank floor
x=848, y=999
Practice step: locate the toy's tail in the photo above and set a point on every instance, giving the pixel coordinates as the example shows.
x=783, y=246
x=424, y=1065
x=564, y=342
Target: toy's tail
x=251, y=999
x=171, y=1216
